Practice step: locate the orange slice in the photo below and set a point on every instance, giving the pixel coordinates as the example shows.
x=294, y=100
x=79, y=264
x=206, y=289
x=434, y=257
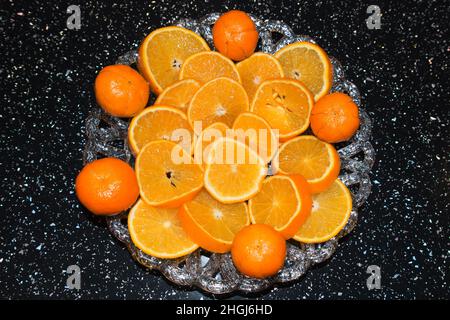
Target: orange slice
x=166, y=174
x=310, y=157
x=257, y=134
x=219, y=100
x=163, y=52
x=309, y=63
x=159, y=123
x=330, y=212
x=234, y=172
x=256, y=69
x=158, y=231
x=203, y=143
x=284, y=202
x=211, y=224
x=179, y=94
x=206, y=66
x=285, y=104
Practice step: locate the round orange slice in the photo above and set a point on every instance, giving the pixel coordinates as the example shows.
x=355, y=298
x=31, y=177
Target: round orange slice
x=234, y=172
x=212, y=224
x=309, y=63
x=203, y=143
x=206, y=66
x=219, y=100
x=159, y=123
x=158, y=231
x=163, y=52
x=310, y=157
x=257, y=134
x=179, y=94
x=256, y=69
x=285, y=104
x=166, y=174
x=284, y=202
x=330, y=212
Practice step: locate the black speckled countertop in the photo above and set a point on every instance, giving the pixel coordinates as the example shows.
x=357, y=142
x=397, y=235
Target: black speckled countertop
x=47, y=72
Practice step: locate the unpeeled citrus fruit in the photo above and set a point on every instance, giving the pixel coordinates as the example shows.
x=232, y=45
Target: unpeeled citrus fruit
x=159, y=123
x=334, y=118
x=219, y=100
x=179, y=94
x=309, y=63
x=258, y=251
x=158, y=231
x=330, y=213
x=317, y=161
x=107, y=186
x=166, y=174
x=212, y=224
x=121, y=91
x=206, y=66
x=284, y=202
x=235, y=35
x=285, y=104
x=256, y=69
x=163, y=52
x=234, y=172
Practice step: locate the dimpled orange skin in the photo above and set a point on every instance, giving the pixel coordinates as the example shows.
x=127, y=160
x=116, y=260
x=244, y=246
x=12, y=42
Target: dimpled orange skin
x=107, y=186
x=121, y=91
x=235, y=35
x=334, y=118
x=258, y=251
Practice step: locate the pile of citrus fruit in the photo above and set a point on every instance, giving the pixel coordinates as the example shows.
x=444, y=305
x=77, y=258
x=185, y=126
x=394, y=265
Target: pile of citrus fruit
x=203, y=150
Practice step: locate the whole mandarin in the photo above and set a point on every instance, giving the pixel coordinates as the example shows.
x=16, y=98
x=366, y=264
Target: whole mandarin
x=258, y=251
x=121, y=91
x=235, y=35
x=334, y=118
x=107, y=186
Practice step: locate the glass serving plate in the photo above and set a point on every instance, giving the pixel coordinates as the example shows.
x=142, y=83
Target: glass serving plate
x=212, y=272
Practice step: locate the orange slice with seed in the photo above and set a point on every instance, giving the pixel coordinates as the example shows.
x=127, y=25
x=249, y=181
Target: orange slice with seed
x=309, y=63
x=285, y=104
x=166, y=174
x=163, y=52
